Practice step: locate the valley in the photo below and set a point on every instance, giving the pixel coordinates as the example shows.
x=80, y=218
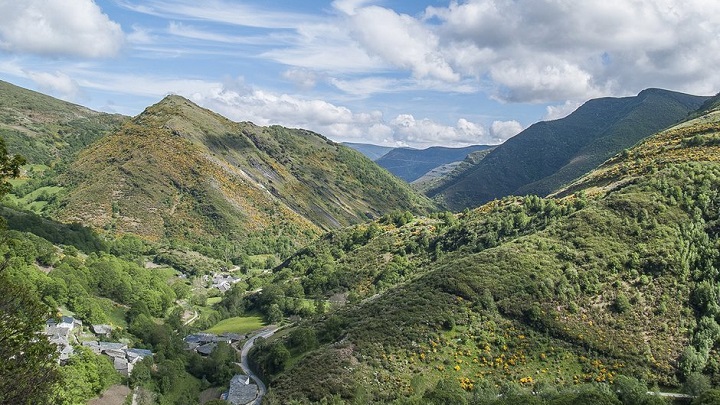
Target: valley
x=330, y=280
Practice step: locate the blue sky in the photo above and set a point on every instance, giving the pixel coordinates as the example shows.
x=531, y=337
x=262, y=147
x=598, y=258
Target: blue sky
x=410, y=73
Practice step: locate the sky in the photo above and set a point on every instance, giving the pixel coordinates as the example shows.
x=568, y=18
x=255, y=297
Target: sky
x=393, y=73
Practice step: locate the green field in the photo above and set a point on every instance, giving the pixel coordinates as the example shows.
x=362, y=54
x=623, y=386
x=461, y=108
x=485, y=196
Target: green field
x=213, y=300
x=36, y=200
x=238, y=324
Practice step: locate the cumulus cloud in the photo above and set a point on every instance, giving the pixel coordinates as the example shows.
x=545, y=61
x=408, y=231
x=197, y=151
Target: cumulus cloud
x=426, y=132
x=401, y=40
x=555, y=112
x=539, y=51
x=549, y=51
x=240, y=102
x=57, y=83
x=504, y=130
x=58, y=28
x=537, y=82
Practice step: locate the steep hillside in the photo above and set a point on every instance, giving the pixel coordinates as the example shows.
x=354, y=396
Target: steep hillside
x=525, y=293
x=181, y=171
x=44, y=129
x=372, y=152
x=549, y=154
x=411, y=164
x=694, y=140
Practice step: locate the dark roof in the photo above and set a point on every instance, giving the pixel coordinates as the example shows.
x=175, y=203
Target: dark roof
x=200, y=338
x=232, y=336
x=141, y=352
x=207, y=348
x=112, y=346
x=102, y=329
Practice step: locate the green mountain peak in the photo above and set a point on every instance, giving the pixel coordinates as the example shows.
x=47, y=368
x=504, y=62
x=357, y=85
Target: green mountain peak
x=177, y=166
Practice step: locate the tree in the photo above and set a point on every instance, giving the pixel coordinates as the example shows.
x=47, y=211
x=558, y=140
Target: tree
x=277, y=357
x=303, y=339
x=27, y=359
x=445, y=392
x=629, y=390
x=710, y=397
x=85, y=376
x=696, y=383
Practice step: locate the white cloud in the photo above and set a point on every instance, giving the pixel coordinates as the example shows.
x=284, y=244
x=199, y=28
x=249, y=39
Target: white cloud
x=204, y=36
x=349, y=6
x=57, y=83
x=221, y=11
x=140, y=35
x=302, y=78
x=58, y=28
x=536, y=81
x=550, y=51
x=402, y=41
x=426, y=132
x=555, y=112
x=504, y=130
x=237, y=101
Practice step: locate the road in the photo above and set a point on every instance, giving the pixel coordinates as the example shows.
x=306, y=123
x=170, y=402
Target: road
x=192, y=319
x=264, y=333
x=671, y=395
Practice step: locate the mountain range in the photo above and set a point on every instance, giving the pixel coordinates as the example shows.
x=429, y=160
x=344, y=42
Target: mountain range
x=608, y=284
x=615, y=279
x=411, y=164
x=373, y=152
x=180, y=171
x=549, y=154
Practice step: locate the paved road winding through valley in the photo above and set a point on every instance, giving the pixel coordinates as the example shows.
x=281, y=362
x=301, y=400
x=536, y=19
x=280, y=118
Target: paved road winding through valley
x=264, y=333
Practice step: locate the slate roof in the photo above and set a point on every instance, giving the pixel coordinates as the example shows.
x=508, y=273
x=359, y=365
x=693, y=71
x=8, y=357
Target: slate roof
x=206, y=349
x=102, y=329
x=233, y=337
x=241, y=391
x=140, y=352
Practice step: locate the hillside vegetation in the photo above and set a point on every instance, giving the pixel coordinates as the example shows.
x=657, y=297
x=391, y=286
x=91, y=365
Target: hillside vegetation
x=44, y=129
x=523, y=294
x=181, y=171
x=550, y=154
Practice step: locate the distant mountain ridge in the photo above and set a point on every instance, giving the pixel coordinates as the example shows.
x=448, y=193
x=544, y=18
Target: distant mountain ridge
x=372, y=152
x=549, y=154
x=411, y=164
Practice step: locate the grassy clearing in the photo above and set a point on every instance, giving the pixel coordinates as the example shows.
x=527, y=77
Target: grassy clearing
x=36, y=200
x=238, y=324
x=212, y=301
x=167, y=272
x=115, y=312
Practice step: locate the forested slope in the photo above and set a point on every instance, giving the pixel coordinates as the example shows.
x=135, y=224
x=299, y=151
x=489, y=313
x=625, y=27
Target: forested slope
x=551, y=153
x=529, y=292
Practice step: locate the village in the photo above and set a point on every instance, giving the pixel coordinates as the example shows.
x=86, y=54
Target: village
x=68, y=332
